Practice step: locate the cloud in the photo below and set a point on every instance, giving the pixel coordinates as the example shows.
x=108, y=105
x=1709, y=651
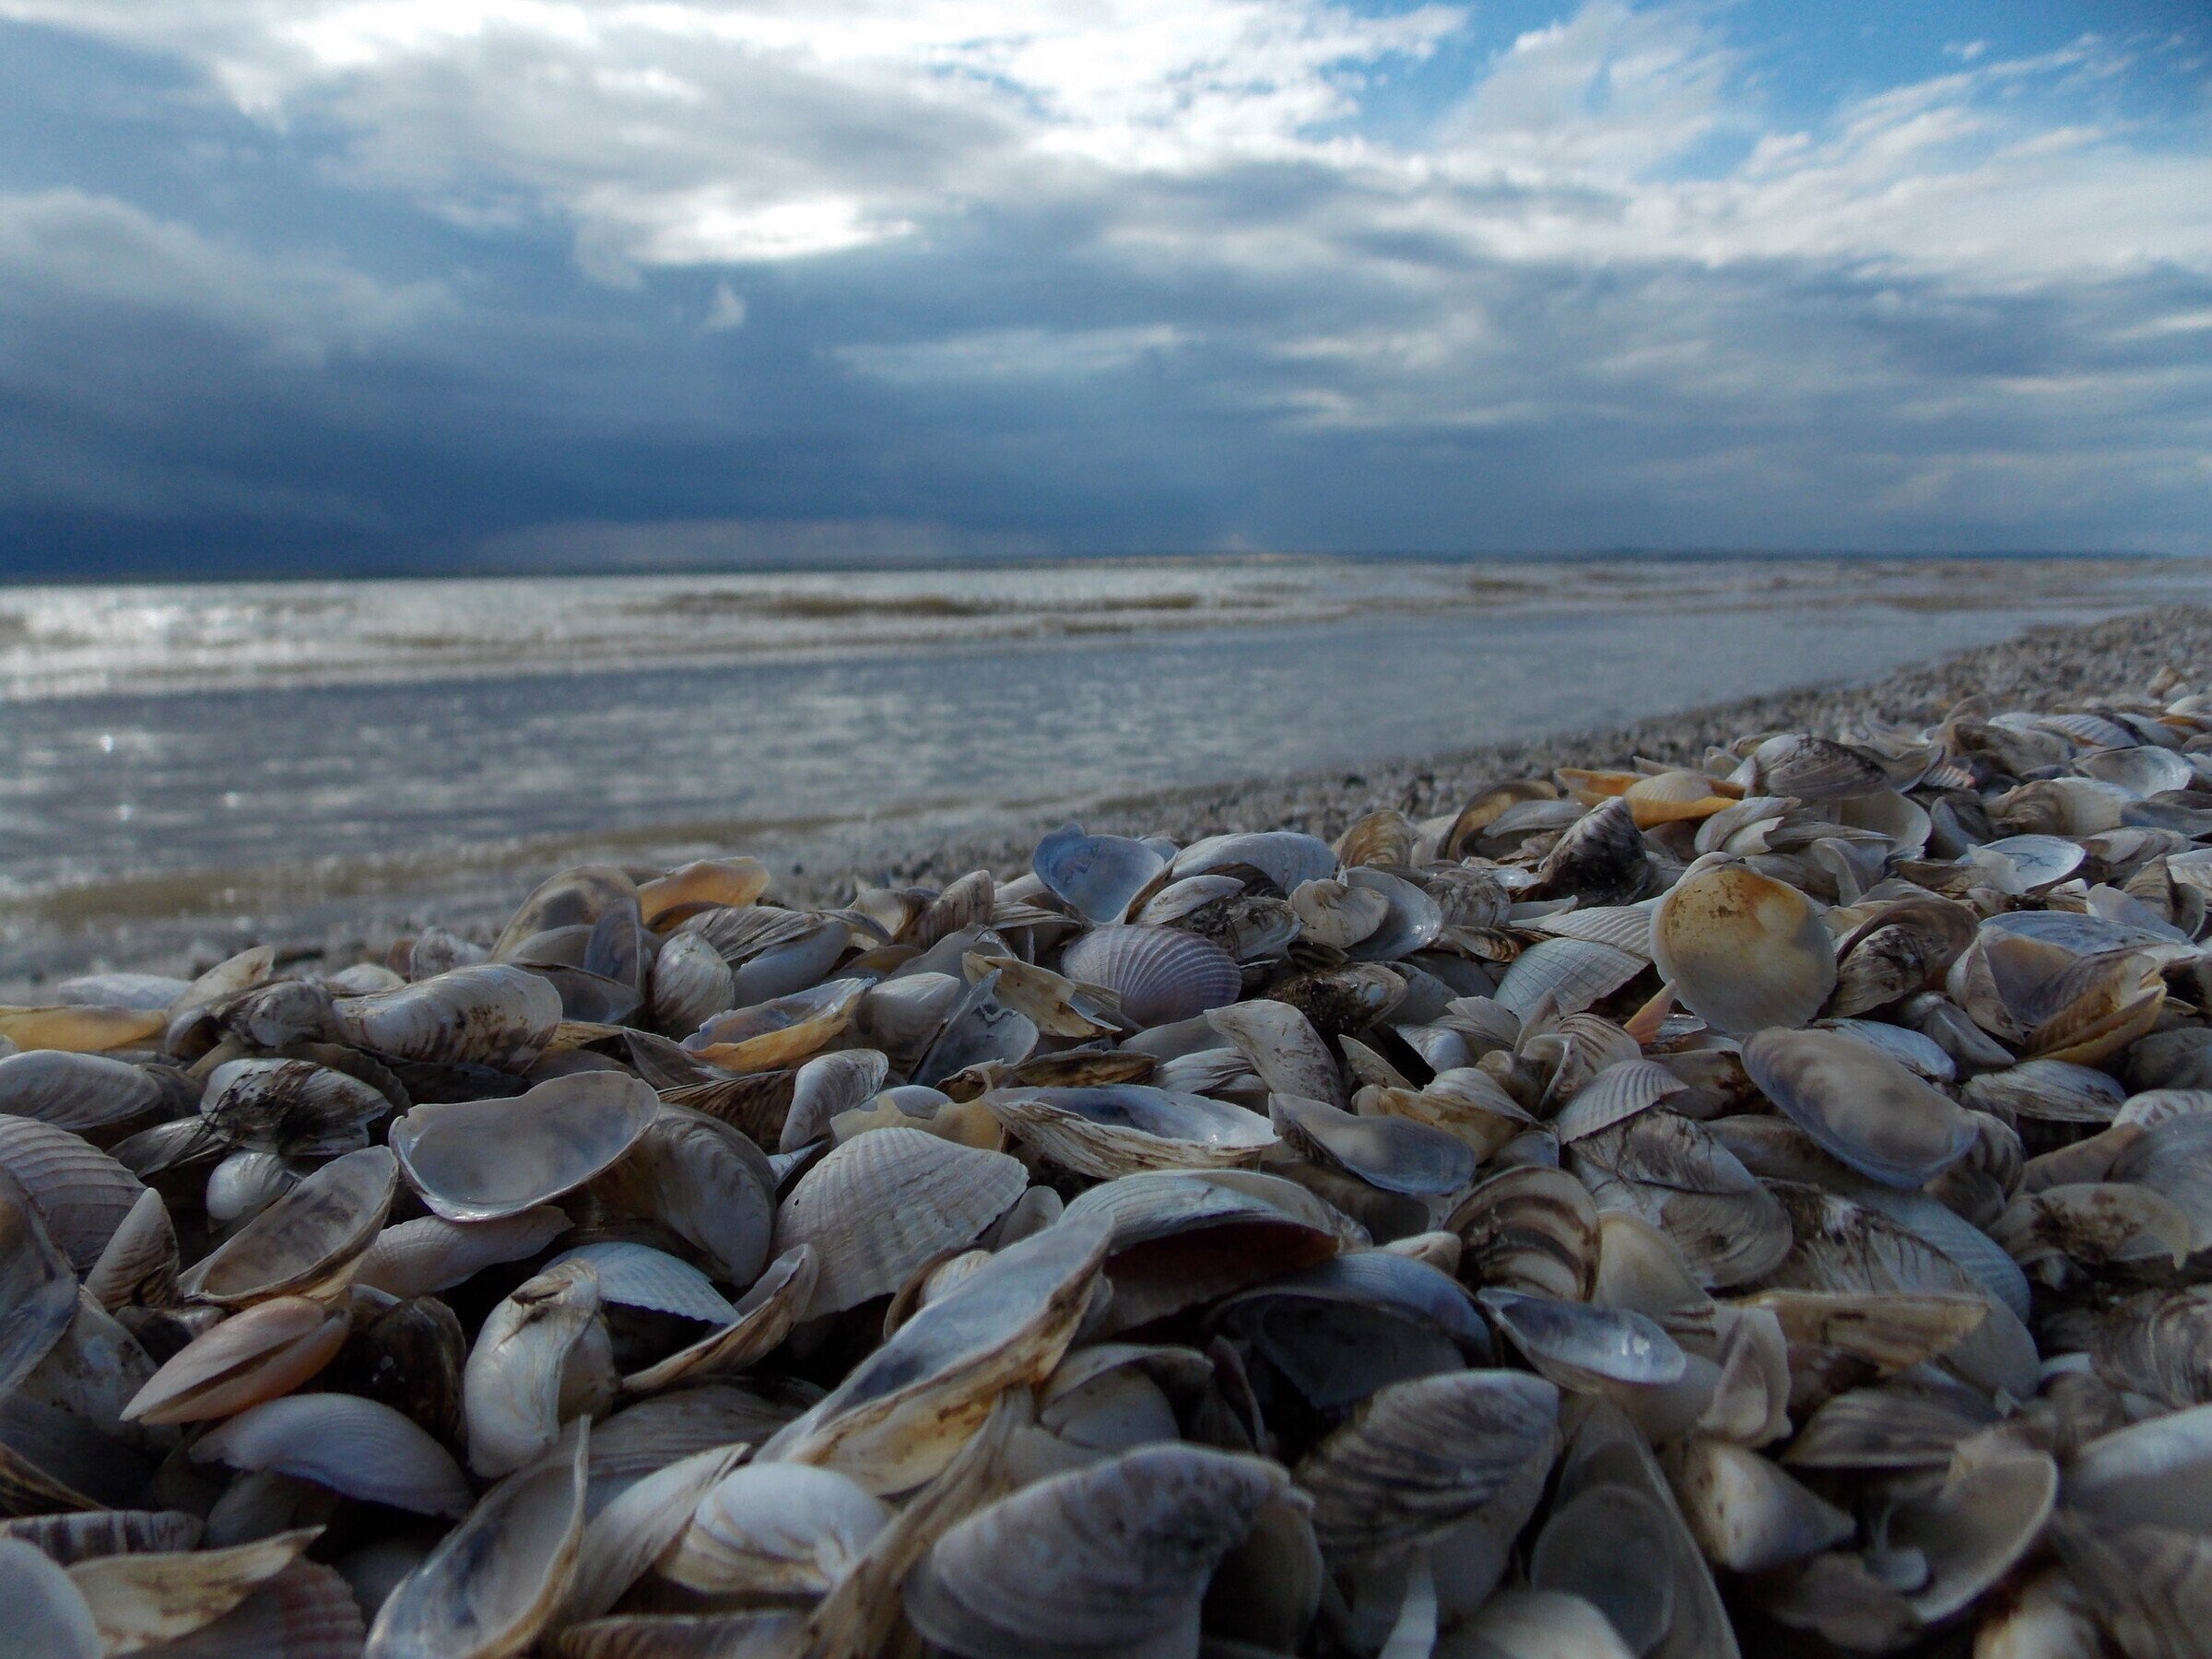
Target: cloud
x=1130, y=273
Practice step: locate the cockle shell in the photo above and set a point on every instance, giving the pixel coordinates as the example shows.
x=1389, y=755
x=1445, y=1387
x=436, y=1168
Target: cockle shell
x=1742, y=950
x=884, y=1203
x=1161, y=974
x=368, y=1452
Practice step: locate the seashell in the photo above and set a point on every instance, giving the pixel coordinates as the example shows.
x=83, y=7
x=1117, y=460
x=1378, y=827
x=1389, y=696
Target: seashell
x=541, y=1360
x=2058, y=1230
x=776, y=1528
x=1529, y=1229
x=691, y=984
x=37, y=1289
x=1097, y=877
x=1185, y=1237
x=492, y=1583
x=1902, y=949
x=1638, y=1269
x=245, y=1184
x=1421, y=1457
x=1411, y=921
x=483, y=1160
x=1569, y=974
x=1582, y=1347
x=436, y=950
x=1161, y=974
x=1281, y=1045
x=709, y=884
x=1381, y=838
x=1057, y=1006
x=67, y=1538
x=1179, y=899
x=1344, y=1328
x=81, y=1195
x=493, y=1015
x=366, y=1451
x=1336, y=913
x=2159, y=1343
x=1594, y=1547
x=1673, y=1173
x=1810, y=769
x=790, y=966
x=1393, y=1153
x=305, y=1612
x=1615, y=1095
x=428, y=1254
x=1284, y=857
x=702, y=1180
x=140, y=1598
x=760, y=1321
x=637, y=1276
x=86, y=1094
x=1109, y=1558
x=307, y=1242
x=294, y=1107
x=1600, y=859
x=653, y=1433
x=79, y=1027
x=1840, y=1340
x=777, y=1033
x=268, y=1349
x=1859, y=1104
x=1747, y=1514
x=1975, y=1527
x=1843, y=1246
x=828, y=1085
x=1539, y=1624
x=901, y=1415
x=1743, y=951
x=884, y=1203
x=638, y=1527
x=1118, y=1129
x=2152, y=1473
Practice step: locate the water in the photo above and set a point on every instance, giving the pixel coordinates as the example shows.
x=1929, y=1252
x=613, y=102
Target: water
x=202, y=760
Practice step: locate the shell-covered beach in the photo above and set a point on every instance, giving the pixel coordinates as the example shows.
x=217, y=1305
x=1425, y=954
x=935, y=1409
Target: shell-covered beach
x=1740, y=1183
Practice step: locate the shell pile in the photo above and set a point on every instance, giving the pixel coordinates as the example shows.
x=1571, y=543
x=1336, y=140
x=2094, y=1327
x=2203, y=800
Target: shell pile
x=1755, y=1206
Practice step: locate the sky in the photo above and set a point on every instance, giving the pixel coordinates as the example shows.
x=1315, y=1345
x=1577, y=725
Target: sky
x=351, y=286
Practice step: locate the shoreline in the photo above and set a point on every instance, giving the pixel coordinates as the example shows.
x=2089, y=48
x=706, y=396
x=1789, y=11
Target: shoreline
x=818, y=865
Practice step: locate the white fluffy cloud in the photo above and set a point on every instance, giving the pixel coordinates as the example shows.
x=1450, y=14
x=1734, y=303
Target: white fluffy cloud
x=1972, y=304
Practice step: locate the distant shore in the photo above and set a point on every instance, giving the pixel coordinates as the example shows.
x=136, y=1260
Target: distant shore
x=2045, y=667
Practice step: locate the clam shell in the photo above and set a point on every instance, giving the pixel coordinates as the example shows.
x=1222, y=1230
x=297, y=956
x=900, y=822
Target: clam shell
x=778, y=1032
x=80, y=1537
x=429, y=1253
x=1812, y=769
x=1281, y=1045
x=884, y=1203
x=1421, y=1457
x=1860, y=1105
x=1121, y=1128
x=245, y=1184
x=1411, y=921
x=1185, y=1237
x=1097, y=877
x=38, y=1291
x=827, y=1085
x=482, y=1160
x=1748, y=1514
x=1742, y=950
x=491, y=1585
x=308, y=1241
x=366, y=1451
x=1615, y=1095
x=1336, y=913
x=1570, y=974
x=541, y=1360
x=1161, y=974
x=492, y=1015
x=653, y=1434
x=1673, y=1173
x=81, y=1194
x=268, y=1349
x=760, y=1321
x=785, y=969
x=1114, y=1558
x=691, y=984
x=902, y=1413
x=1393, y=1153
x=702, y=1181
x=776, y=1528
x=1182, y=898
x=709, y=884
x=1582, y=1347
x=1975, y=1527
x=623, y=1540
x=83, y=1093
x=139, y=1600
x=290, y=1106
x=305, y=1612
x=1529, y=1229
x=1285, y=857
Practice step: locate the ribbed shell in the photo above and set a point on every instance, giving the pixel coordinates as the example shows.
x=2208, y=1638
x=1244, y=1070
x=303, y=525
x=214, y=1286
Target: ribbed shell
x=81, y=1537
x=79, y=1092
x=354, y=1446
x=1161, y=973
x=637, y=1276
x=884, y=1203
x=1743, y=950
x=1574, y=973
x=305, y=1612
x=81, y=1194
x=1615, y=1095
